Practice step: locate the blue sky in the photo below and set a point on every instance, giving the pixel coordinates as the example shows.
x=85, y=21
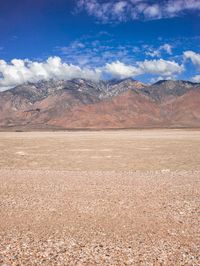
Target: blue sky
x=147, y=40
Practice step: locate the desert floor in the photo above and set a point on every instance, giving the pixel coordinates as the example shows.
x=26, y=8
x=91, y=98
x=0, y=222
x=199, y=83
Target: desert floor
x=127, y=197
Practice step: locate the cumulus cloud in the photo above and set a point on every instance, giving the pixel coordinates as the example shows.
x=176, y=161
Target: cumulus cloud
x=19, y=71
x=119, y=10
x=120, y=70
x=194, y=57
x=160, y=67
x=156, y=67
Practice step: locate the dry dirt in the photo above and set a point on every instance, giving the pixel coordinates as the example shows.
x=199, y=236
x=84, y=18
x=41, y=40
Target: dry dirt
x=100, y=198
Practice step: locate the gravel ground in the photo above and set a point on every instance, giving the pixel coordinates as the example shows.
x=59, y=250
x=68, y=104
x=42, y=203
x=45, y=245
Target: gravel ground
x=128, y=197
x=51, y=217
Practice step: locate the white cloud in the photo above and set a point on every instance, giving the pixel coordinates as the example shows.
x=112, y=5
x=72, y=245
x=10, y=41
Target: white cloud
x=167, y=69
x=160, y=67
x=196, y=78
x=152, y=11
x=120, y=70
x=19, y=71
x=119, y=7
x=156, y=79
x=167, y=48
x=153, y=53
x=117, y=11
x=156, y=52
x=194, y=57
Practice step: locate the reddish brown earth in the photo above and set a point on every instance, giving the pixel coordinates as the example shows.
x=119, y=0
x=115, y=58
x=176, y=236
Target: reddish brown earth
x=127, y=110
x=185, y=110
x=123, y=111
x=126, y=104
x=100, y=198
x=130, y=110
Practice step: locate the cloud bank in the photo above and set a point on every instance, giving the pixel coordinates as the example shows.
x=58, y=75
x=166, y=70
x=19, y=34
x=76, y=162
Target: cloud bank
x=123, y=10
x=156, y=67
x=161, y=67
x=19, y=71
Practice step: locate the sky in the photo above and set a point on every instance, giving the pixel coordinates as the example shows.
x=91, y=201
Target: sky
x=147, y=40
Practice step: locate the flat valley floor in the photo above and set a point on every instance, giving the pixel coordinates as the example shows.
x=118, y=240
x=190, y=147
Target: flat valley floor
x=124, y=197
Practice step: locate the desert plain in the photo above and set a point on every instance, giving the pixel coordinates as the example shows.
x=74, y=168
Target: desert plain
x=116, y=197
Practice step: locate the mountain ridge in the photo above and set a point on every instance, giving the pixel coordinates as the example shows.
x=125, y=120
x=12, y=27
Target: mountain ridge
x=81, y=103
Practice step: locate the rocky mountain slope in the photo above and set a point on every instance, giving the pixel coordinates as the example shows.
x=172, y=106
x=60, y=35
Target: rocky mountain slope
x=80, y=103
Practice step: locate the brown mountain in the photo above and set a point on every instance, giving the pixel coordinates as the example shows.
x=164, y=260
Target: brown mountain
x=82, y=103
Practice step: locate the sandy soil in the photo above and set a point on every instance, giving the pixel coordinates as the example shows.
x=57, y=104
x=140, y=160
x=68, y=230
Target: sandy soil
x=100, y=198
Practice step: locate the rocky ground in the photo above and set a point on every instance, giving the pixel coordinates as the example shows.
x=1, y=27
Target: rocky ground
x=64, y=216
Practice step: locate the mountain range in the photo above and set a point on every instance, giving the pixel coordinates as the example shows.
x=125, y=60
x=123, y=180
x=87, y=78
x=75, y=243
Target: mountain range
x=87, y=104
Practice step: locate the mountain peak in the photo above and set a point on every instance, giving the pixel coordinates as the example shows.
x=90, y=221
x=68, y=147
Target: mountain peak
x=173, y=83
